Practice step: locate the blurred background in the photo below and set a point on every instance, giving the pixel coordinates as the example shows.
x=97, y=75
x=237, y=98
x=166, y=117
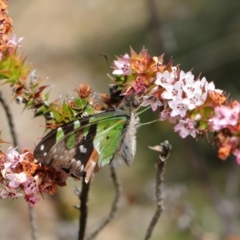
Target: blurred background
x=63, y=41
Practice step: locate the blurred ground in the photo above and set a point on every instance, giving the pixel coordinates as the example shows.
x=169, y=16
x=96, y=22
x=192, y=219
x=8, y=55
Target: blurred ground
x=62, y=41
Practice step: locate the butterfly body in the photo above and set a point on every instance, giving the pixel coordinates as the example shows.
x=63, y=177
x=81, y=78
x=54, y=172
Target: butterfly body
x=87, y=144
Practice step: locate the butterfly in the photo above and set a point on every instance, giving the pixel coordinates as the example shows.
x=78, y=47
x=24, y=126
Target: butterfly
x=85, y=145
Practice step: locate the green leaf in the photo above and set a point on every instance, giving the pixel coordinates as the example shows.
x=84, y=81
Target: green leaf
x=41, y=110
x=57, y=116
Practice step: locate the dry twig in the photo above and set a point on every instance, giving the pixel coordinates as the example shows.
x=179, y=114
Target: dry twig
x=164, y=152
x=9, y=119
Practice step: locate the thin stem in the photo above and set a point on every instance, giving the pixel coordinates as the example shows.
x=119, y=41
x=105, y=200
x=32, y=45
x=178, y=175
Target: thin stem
x=164, y=149
x=10, y=120
x=83, y=209
x=117, y=185
x=159, y=209
x=32, y=218
x=144, y=110
x=33, y=225
x=148, y=123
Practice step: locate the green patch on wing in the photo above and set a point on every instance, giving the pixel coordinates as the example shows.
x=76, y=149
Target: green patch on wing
x=108, y=138
x=71, y=141
x=59, y=135
x=76, y=124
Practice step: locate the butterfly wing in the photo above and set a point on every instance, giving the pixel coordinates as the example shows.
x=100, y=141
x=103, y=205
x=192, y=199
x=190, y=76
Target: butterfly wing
x=83, y=145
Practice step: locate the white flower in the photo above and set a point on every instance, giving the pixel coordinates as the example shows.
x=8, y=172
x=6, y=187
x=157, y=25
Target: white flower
x=164, y=79
x=173, y=91
x=178, y=107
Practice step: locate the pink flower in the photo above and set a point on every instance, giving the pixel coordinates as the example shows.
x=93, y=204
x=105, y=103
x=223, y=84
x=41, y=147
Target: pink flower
x=14, y=41
x=173, y=91
x=153, y=102
x=16, y=179
x=9, y=193
x=192, y=101
x=30, y=186
x=139, y=86
x=225, y=116
x=6, y=167
x=178, y=107
x=31, y=199
x=21, y=174
x=186, y=127
x=166, y=115
x=13, y=156
x=122, y=66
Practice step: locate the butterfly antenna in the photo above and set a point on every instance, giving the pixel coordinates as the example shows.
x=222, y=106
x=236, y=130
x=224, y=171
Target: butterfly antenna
x=106, y=58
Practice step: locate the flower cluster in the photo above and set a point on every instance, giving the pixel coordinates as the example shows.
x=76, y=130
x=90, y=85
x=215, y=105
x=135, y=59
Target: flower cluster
x=184, y=100
x=21, y=175
x=226, y=124
x=5, y=24
x=12, y=66
x=194, y=105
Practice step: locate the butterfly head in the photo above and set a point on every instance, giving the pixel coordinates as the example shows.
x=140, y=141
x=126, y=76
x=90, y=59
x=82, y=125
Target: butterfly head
x=129, y=104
